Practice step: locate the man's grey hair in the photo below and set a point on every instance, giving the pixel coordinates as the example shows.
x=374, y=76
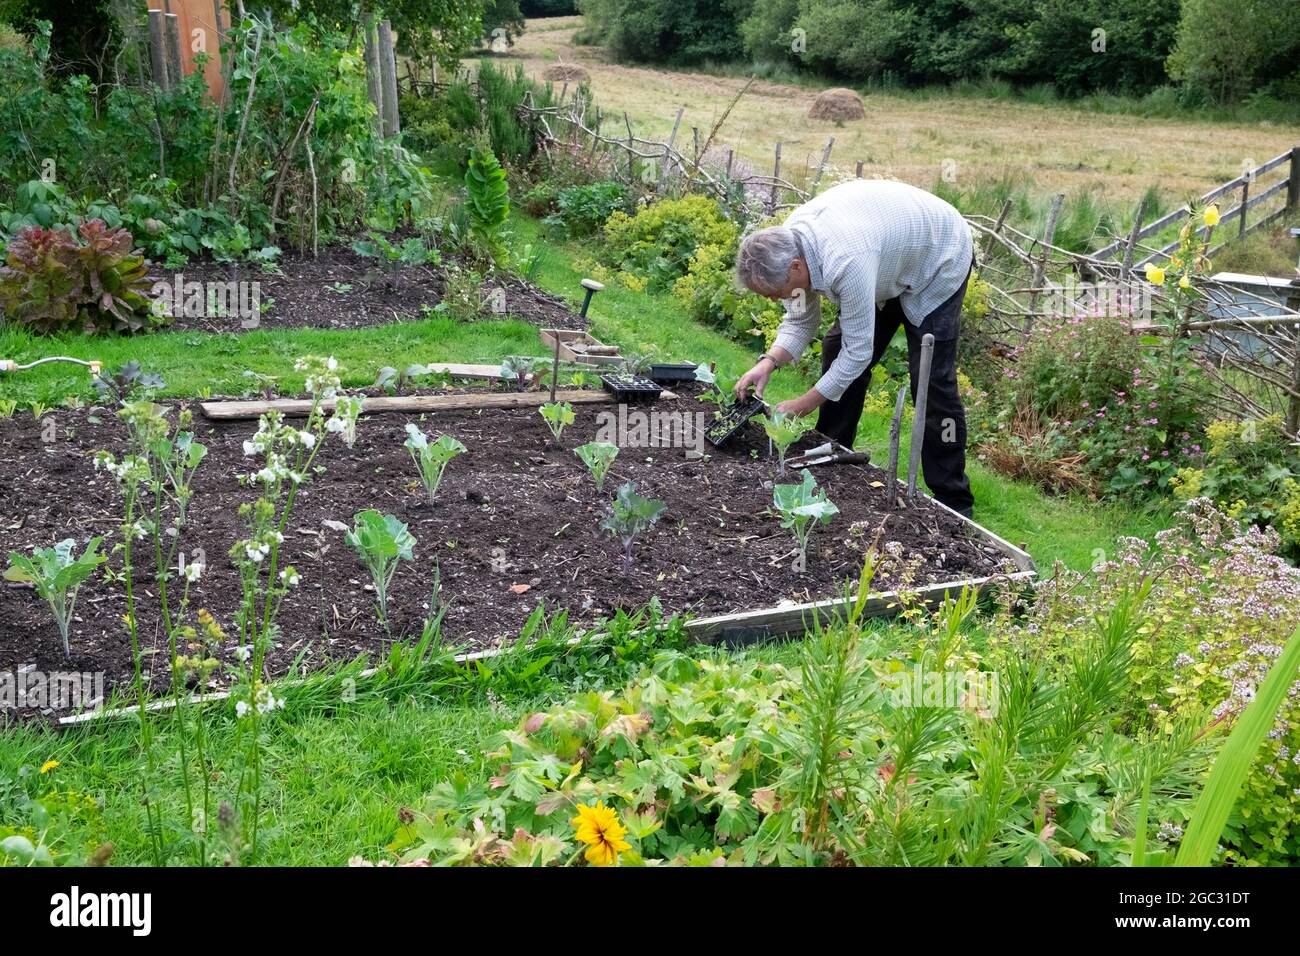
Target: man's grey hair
x=763, y=260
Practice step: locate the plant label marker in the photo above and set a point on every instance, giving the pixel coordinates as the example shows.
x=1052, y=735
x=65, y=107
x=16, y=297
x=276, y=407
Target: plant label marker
x=918, y=416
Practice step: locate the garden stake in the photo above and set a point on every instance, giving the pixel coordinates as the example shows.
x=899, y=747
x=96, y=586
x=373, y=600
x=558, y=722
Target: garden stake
x=918, y=418
x=555, y=363
x=895, y=429
x=592, y=287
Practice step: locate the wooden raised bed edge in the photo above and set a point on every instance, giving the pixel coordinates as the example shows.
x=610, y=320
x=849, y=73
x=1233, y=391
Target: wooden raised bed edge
x=737, y=629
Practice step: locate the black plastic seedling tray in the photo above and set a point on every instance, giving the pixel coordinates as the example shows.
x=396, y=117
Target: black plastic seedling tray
x=733, y=421
x=666, y=373
x=631, y=388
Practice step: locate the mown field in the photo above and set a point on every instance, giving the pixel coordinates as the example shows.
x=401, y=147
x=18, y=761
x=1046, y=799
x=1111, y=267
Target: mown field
x=1048, y=147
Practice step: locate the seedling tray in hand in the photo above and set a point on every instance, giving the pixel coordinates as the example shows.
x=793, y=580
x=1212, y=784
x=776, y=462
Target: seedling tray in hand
x=728, y=423
x=630, y=388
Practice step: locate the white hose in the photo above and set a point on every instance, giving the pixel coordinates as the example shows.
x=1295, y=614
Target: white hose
x=9, y=365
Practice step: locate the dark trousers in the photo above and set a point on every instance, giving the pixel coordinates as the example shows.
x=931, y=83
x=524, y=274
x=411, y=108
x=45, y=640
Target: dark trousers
x=943, y=455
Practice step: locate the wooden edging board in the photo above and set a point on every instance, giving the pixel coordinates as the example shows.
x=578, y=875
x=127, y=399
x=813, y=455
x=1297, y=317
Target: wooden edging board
x=298, y=407
x=741, y=626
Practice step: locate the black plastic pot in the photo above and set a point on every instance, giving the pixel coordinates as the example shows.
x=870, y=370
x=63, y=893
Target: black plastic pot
x=721, y=429
x=630, y=388
x=666, y=373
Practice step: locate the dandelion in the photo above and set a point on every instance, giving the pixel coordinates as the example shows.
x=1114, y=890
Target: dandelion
x=48, y=766
x=1155, y=275
x=598, y=827
x=1211, y=216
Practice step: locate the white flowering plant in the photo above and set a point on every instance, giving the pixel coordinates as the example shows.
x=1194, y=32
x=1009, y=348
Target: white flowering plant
x=431, y=458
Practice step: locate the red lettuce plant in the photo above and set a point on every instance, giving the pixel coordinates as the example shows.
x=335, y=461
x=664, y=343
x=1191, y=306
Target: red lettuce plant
x=51, y=282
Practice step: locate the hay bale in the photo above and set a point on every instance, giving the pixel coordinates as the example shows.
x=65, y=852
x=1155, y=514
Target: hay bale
x=837, y=104
x=565, y=73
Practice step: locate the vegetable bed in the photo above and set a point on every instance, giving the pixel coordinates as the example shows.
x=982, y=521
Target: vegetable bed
x=516, y=523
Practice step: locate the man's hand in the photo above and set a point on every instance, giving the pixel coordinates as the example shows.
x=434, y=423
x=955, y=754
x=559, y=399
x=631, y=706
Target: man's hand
x=755, y=379
x=805, y=404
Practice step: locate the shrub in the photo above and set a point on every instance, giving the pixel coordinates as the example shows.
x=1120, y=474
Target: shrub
x=659, y=241
x=582, y=210
x=488, y=199
x=52, y=283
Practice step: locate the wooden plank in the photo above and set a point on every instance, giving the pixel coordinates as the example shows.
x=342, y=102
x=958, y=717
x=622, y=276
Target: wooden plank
x=463, y=370
x=299, y=407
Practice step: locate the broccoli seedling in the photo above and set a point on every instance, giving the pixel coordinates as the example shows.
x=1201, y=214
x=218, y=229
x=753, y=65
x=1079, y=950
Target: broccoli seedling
x=57, y=576
x=515, y=370
x=558, y=416
x=630, y=515
x=723, y=392
x=802, y=508
x=430, y=458
x=380, y=542
x=598, y=456
x=783, y=430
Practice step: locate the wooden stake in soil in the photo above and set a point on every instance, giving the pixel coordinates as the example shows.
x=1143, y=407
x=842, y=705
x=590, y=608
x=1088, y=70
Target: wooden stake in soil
x=555, y=368
x=776, y=175
x=1040, y=269
x=821, y=167
x=173, y=38
x=374, y=85
x=895, y=433
x=918, y=416
x=668, y=146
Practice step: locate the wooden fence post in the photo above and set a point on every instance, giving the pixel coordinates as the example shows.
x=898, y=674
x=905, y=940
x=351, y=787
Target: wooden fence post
x=858, y=172
x=1131, y=245
x=1040, y=268
x=668, y=147
x=1293, y=184
x=1245, y=200
x=175, y=73
x=388, y=77
x=158, y=50
x=821, y=167
x=997, y=227
x=776, y=174
x=374, y=85
x=631, y=153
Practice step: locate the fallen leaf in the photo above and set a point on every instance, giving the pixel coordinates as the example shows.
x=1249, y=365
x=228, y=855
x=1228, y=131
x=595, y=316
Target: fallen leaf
x=520, y=588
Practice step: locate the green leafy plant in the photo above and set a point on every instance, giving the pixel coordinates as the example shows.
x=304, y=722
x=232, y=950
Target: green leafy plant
x=57, y=575
x=598, y=456
x=488, y=198
x=631, y=516
x=431, y=458
x=380, y=541
x=783, y=430
x=558, y=416
x=515, y=370
x=395, y=381
x=582, y=210
x=802, y=507
x=126, y=382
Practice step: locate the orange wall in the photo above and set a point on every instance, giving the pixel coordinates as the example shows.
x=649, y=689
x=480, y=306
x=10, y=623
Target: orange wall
x=195, y=15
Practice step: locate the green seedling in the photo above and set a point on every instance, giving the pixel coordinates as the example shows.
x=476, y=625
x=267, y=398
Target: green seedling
x=381, y=541
x=431, y=458
x=57, y=576
x=802, y=508
x=783, y=430
x=630, y=516
x=598, y=456
x=558, y=416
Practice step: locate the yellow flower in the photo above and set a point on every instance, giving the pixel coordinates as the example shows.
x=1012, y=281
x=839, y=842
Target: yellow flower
x=598, y=827
x=1184, y=283
x=1211, y=215
x=48, y=766
x=1155, y=275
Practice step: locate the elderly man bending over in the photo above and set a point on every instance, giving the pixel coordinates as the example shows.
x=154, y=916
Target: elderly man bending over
x=889, y=255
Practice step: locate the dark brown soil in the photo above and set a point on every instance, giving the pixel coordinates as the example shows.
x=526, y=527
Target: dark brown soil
x=344, y=290
x=515, y=525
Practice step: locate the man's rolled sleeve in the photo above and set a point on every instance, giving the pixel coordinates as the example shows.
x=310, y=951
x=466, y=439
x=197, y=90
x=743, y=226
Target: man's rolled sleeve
x=857, y=336
x=798, y=329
